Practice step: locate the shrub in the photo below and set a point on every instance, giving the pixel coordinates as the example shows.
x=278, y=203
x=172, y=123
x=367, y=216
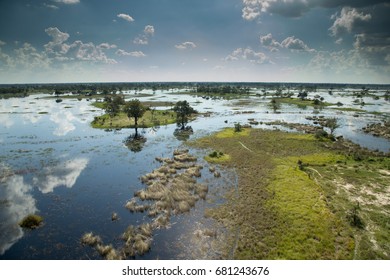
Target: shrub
x=354, y=217
x=31, y=221
x=320, y=133
x=237, y=127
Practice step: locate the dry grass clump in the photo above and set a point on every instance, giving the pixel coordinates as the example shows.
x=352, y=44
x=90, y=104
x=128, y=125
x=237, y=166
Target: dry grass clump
x=201, y=190
x=133, y=206
x=138, y=240
x=106, y=251
x=91, y=239
x=170, y=189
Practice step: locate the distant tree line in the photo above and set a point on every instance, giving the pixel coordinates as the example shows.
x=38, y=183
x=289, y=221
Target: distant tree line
x=222, y=89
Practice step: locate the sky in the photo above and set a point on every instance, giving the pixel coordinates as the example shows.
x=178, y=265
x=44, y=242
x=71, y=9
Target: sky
x=318, y=41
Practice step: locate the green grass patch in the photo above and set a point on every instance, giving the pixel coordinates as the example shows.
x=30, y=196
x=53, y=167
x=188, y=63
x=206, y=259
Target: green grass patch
x=302, y=102
x=149, y=119
x=295, y=195
x=217, y=157
x=230, y=132
x=350, y=110
x=307, y=229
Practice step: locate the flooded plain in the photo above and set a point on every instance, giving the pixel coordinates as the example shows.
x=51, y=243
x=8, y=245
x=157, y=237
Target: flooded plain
x=53, y=163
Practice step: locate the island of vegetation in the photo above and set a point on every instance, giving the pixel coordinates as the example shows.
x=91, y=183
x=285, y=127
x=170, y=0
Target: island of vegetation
x=134, y=114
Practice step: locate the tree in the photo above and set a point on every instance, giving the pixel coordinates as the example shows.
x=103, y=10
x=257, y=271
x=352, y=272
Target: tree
x=134, y=109
x=332, y=124
x=112, y=109
x=303, y=95
x=183, y=110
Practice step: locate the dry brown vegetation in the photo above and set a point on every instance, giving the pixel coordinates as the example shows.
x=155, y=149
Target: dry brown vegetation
x=171, y=189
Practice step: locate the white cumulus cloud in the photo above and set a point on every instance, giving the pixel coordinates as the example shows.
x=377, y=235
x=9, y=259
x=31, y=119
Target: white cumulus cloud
x=247, y=54
x=346, y=20
x=185, y=46
x=149, y=29
x=134, y=54
x=290, y=43
x=125, y=17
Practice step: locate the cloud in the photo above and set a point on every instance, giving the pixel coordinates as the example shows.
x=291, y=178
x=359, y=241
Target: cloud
x=64, y=174
x=374, y=47
x=297, y=8
x=270, y=42
x=143, y=39
x=295, y=44
x=291, y=43
x=67, y=1
x=332, y=64
x=346, y=20
x=57, y=46
x=250, y=13
x=134, y=54
x=247, y=54
x=53, y=7
x=186, y=46
x=149, y=30
x=29, y=57
x=125, y=17
x=60, y=50
x=15, y=204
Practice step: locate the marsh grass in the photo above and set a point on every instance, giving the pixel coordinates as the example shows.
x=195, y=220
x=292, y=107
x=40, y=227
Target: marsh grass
x=280, y=211
x=170, y=189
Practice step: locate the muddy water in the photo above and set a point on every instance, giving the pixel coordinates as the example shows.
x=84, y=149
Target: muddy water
x=54, y=164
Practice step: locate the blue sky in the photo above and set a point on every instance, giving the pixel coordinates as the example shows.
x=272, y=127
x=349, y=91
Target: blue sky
x=342, y=41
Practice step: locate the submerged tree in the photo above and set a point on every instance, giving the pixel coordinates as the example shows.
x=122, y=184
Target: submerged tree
x=183, y=111
x=134, y=109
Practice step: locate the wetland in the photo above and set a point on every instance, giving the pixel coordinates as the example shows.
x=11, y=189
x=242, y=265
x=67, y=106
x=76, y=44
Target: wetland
x=262, y=172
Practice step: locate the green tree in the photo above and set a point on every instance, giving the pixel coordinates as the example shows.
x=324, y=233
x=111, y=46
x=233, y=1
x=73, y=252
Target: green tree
x=332, y=124
x=183, y=110
x=134, y=109
x=112, y=109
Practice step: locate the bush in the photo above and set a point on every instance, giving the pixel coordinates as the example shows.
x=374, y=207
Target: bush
x=31, y=221
x=354, y=217
x=216, y=154
x=319, y=134
x=237, y=127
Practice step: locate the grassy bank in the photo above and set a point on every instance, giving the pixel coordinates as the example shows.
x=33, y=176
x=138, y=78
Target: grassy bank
x=303, y=102
x=299, y=198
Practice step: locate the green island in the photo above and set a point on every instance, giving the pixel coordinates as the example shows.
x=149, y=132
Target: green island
x=300, y=197
x=149, y=119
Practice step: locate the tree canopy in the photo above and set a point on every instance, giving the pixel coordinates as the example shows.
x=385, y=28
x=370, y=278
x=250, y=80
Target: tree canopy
x=134, y=109
x=183, y=110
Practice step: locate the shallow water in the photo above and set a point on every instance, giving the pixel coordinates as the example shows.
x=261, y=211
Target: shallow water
x=54, y=164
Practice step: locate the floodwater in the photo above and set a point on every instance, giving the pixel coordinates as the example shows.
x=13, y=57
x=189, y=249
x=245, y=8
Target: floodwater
x=54, y=164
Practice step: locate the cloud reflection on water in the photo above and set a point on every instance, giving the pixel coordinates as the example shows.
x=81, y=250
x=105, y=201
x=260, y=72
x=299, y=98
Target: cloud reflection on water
x=64, y=174
x=16, y=202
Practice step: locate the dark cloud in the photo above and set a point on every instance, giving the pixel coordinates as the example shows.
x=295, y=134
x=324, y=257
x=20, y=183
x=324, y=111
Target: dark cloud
x=349, y=3
x=297, y=8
